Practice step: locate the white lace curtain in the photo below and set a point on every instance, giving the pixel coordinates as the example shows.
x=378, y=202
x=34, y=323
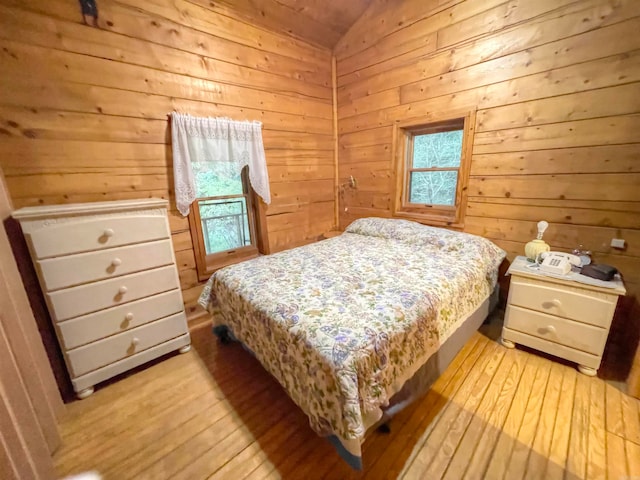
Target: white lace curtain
x=219, y=145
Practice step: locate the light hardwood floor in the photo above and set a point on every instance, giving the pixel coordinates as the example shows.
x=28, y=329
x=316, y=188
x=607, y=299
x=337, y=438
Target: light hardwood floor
x=215, y=413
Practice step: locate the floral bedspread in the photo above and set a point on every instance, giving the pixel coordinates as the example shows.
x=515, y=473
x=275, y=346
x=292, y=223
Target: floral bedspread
x=344, y=322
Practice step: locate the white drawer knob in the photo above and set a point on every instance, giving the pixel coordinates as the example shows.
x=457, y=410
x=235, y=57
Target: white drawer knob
x=108, y=232
x=135, y=341
x=551, y=329
x=116, y=262
x=553, y=303
x=128, y=317
x=122, y=290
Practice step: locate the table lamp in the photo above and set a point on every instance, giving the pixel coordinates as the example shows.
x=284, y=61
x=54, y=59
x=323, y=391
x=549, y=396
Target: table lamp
x=537, y=246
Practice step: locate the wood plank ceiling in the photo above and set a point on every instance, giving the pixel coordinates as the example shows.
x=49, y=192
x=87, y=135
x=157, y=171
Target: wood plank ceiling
x=322, y=22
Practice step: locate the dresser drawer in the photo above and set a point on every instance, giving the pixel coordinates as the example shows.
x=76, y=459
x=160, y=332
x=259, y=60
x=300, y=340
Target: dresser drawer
x=116, y=368
x=103, y=352
x=568, y=302
x=88, y=328
x=580, y=336
x=82, y=268
x=75, y=301
x=88, y=234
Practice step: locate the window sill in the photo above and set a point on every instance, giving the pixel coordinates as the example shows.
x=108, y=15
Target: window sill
x=431, y=219
x=220, y=260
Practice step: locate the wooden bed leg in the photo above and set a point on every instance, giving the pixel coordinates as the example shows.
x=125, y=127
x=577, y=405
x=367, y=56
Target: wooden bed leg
x=224, y=338
x=384, y=428
x=222, y=333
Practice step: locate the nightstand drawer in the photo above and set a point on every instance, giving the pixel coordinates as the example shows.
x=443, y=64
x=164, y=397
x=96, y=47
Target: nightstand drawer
x=586, y=338
x=568, y=302
x=571, y=354
x=76, y=301
x=95, y=326
x=82, y=268
x=89, y=234
x=85, y=359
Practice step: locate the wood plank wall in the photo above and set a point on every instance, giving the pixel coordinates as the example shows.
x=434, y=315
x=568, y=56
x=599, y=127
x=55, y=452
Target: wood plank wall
x=557, y=92
x=83, y=110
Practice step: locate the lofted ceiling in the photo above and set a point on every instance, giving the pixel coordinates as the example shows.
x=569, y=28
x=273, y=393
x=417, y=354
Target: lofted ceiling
x=322, y=22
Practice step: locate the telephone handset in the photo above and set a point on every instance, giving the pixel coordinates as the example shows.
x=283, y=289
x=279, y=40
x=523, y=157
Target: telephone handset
x=558, y=263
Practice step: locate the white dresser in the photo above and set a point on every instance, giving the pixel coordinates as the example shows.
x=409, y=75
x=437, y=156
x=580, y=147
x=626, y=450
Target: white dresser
x=108, y=274
x=565, y=318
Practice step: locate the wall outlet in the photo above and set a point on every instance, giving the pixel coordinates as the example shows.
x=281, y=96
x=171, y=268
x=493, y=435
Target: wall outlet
x=617, y=243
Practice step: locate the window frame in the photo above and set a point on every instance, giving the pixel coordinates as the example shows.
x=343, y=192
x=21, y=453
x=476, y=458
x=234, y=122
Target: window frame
x=403, y=137
x=207, y=264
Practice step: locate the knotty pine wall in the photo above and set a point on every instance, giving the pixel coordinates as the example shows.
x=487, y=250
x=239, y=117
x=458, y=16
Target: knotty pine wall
x=83, y=110
x=555, y=84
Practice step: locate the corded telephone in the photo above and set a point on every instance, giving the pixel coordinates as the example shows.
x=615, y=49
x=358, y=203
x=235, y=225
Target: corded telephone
x=558, y=263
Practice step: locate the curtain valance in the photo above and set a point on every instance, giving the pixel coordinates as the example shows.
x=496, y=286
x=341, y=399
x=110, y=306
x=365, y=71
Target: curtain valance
x=221, y=145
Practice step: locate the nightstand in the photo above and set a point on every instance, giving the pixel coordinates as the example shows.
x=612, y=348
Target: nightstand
x=566, y=318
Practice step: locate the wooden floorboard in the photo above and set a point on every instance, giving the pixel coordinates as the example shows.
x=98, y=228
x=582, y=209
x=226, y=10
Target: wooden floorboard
x=579, y=430
x=214, y=413
x=537, y=461
x=596, y=454
x=501, y=455
x=558, y=453
x=529, y=427
x=474, y=432
x=437, y=448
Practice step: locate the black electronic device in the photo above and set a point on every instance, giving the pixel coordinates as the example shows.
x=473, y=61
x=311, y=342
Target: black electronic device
x=599, y=271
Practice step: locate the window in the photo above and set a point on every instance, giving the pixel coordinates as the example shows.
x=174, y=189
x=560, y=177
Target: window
x=211, y=162
x=225, y=218
x=432, y=169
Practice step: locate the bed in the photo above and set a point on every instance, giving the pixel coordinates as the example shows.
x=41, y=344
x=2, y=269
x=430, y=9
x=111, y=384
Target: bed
x=356, y=326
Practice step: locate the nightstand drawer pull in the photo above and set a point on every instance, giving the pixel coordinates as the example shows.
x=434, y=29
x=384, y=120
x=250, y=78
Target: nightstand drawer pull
x=116, y=262
x=135, y=341
x=128, y=317
x=108, y=232
x=122, y=290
